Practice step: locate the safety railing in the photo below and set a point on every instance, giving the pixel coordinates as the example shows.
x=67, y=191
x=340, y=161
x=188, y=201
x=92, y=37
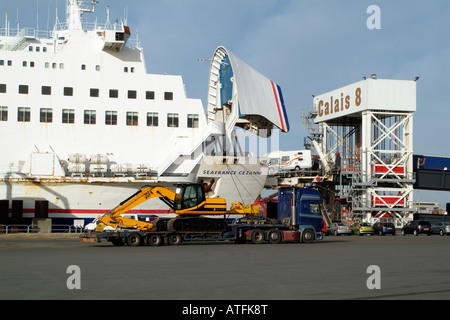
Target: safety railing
x=27, y=229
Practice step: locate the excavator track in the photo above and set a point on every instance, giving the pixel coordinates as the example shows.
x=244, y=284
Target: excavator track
x=196, y=224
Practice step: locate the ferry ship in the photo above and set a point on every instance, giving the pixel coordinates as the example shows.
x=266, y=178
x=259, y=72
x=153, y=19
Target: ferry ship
x=83, y=125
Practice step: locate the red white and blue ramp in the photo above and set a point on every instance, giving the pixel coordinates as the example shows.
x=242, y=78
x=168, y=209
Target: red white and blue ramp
x=260, y=100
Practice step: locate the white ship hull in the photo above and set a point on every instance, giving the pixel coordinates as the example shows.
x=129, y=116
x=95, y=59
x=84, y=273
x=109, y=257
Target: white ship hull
x=83, y=125
x=78, y=200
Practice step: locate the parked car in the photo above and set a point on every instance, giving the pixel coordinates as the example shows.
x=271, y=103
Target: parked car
x=442, y=228
x=417, y=227
x=361, y=228
x=338, y=228
x=383, y=228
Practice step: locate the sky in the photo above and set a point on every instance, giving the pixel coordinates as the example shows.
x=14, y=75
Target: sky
x=308, y=47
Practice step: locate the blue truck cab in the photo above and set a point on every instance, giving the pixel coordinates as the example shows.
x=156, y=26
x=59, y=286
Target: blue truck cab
x=307, y=208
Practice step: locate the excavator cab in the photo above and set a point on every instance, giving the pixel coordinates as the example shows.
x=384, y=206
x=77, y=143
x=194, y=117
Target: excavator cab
x=188, y=200
x=189, y=196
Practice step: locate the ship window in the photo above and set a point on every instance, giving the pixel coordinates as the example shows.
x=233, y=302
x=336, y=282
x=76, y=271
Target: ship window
x=3, y=113
x=95, y=93
x=68, y=116
x=172, y=120
x=132, y=69
x=89, y=117
x=83, y=67
x=125, y=69
x=152, y=119
x=2, y=62
x=44, y=49
x=61, y=65
x=24, y=63
x=30, y=48
x=68, y=91
x=113, y=93
x=32, y=64
x=2, y=88
x=9, y=63
x=150, y=95
x=132, y=94
x=111, y=118
x=46, y=115
x=38, y=49
x=54, y=65
x=46, y=91
x=23, y=89
x=168, y=95
x=24, y=114
x=192, y=121
x=97, y=68
x=132, y=118
x=47, y=65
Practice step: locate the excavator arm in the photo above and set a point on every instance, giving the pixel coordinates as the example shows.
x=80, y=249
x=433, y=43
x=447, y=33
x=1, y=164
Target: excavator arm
x=188, y=201
x=113, y=218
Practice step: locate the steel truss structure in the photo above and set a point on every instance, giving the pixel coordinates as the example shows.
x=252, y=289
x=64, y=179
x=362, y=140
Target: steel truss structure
x=371, y=156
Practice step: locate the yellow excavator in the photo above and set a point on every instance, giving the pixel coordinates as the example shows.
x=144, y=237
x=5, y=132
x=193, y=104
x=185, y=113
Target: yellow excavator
x=188, y=202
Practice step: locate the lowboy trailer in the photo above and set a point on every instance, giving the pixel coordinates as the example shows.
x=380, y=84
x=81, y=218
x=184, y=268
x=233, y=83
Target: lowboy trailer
x=298, y=219
x=237, y=233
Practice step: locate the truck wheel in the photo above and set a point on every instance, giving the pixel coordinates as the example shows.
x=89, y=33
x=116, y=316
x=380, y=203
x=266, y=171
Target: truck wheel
x=308, y=236
x=154, y=240
x=275, y=236
x=257, y=236
x=174, y=239
x=134, y=240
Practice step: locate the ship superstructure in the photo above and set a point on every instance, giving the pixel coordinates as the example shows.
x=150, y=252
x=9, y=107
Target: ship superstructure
x=82, y=123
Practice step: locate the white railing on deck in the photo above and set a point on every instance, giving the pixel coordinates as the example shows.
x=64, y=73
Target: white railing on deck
x=24, y=228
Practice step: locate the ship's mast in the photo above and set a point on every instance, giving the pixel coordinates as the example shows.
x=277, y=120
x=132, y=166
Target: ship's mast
x=75, y=11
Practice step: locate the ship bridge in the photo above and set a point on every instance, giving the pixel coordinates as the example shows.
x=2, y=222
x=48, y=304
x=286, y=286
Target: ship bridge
x=240, y=96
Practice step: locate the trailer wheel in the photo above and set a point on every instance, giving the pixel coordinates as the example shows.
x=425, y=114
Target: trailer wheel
x=275, y=236
x=134, y=240
x=308, y=236
x=174, y=239
x=257, y=236
x=154, y=240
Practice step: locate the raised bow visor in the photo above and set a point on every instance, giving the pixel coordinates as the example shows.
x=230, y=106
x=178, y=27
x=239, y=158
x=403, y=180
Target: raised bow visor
x=240, y=96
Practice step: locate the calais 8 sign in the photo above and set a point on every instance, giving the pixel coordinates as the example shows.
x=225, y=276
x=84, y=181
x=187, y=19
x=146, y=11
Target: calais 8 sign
x=337, y=105
x=369, y=94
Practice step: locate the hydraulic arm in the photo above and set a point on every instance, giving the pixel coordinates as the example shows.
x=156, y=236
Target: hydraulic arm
x=113, y=217
x=187, y=201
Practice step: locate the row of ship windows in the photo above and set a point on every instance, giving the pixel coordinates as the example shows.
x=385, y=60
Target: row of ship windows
x=37, y=49
x=95, y=93
x=55, y=65
x=90, y=117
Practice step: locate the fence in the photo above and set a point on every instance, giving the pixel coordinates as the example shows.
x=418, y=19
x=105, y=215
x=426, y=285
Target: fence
x=23, y=228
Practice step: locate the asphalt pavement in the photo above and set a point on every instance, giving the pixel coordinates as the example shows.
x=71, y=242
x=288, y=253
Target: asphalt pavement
x=47, y=267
